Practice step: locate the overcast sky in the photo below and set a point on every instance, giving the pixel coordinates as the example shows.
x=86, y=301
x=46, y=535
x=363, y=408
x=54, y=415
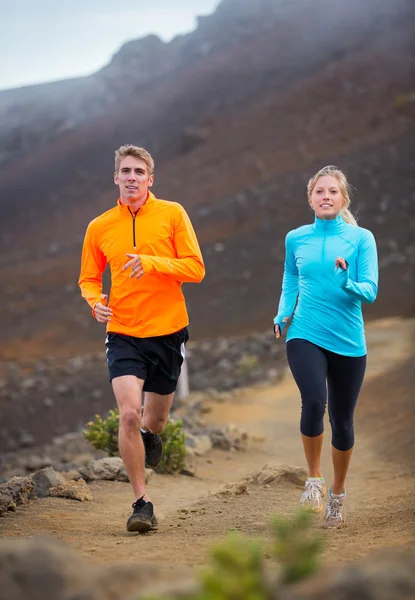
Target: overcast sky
x=47, y=40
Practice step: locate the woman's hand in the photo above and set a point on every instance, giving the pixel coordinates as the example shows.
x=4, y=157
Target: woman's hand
x=340, y=262
x=277, y=328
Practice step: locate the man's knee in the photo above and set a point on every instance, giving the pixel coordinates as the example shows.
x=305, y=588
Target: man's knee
x=130, y=420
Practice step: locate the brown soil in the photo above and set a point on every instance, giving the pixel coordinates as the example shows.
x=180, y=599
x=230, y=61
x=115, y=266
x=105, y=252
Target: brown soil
x=192, y=515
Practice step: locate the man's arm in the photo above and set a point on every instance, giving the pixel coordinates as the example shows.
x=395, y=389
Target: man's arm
x=93, y=264
x=187, y=267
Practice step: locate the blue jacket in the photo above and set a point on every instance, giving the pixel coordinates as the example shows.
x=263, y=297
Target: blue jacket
x=328, y=312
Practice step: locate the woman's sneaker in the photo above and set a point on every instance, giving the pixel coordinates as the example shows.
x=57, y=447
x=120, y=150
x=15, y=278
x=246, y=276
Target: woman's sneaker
x=153, y=446
x=314, y=492
x=143, y=518
x=335, y=510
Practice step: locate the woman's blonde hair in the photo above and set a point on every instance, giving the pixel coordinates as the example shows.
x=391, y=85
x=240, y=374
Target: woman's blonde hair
x=345, y=189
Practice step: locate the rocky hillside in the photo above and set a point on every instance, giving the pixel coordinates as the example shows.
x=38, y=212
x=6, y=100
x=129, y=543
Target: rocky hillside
x=238, y=115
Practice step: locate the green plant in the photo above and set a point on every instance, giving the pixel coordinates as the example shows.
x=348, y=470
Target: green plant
x=236, y=572
x=246, y=364
x=296, y=547
x=237, y=569
x=174, y=448
x=102, y=434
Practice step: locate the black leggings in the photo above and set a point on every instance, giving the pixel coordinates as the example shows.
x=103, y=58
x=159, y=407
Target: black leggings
x=315, y=370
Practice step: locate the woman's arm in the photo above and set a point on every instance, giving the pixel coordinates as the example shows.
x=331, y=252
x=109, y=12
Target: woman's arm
x=365, y=288
x=289, y=293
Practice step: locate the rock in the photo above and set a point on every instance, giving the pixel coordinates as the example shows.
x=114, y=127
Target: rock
x=34, y=463
x=219, y=439
x=26, y=439
x=386, y=575
x=110, y=468
x=230, y=438
x=198, y=444
x=270, y=473
x=44, y=480
x=46, y=569
x=72, y=475
x=76, y=490
x=14, y=493
x=232, y=489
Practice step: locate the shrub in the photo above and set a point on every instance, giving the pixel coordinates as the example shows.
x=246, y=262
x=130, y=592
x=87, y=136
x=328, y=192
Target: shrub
x=237, y=570
x=174, y=448
x=102, y=434
x=297, y=549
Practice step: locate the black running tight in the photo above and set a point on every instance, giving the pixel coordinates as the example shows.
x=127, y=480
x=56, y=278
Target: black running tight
x=317, y=371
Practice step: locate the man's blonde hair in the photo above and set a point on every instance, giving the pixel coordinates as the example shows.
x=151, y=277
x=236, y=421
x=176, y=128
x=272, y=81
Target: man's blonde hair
x=130, y=150
x=344, y=186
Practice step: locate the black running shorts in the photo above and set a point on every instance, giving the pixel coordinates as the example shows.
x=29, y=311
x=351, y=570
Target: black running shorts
x=156, y=360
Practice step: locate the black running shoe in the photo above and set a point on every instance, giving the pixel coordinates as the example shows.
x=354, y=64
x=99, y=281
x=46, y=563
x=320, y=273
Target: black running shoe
x=153, y=446
x=143, y=518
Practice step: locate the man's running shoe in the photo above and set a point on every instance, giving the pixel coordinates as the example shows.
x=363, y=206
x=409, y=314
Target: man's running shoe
x=153, y=447
x=314, y=492
x=143, y=518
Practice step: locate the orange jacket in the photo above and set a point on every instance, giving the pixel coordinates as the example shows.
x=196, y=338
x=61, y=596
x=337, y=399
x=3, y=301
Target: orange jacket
x=162, y=234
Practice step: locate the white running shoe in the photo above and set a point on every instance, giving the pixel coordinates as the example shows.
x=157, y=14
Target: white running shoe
x=335, y=510
x=314, y=492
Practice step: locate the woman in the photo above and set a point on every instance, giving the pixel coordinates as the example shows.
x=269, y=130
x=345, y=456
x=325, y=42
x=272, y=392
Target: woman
x=331, y=267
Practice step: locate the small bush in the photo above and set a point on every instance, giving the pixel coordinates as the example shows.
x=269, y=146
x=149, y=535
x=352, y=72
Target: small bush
x=297, y=549
x=102, y=434
x=238, y=569
x=236, y=572
x=174, y=448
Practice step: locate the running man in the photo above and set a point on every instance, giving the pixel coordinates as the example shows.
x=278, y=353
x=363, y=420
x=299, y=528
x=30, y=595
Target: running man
x=151, y=248
x=331, y=267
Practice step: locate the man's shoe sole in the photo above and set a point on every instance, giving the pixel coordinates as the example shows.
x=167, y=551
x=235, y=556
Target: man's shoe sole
x=138, y=525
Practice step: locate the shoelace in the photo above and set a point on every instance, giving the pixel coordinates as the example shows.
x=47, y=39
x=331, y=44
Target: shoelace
x=334, y=507
x=313, y=490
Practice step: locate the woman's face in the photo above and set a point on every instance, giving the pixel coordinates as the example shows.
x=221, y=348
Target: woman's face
x=326, y=199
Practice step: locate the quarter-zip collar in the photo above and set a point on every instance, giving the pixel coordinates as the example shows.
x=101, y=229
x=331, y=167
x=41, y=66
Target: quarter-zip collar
x=126, y=210
x=329, y=226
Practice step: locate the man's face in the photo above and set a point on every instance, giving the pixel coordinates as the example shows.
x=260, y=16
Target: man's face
x=133, y=179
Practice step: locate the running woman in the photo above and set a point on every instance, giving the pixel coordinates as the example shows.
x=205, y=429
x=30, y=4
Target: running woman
x=151, y=249
x=331, y=267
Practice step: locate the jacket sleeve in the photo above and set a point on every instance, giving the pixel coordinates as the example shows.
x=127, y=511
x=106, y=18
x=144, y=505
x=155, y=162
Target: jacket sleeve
x=188, y=266
x=365, y=288
x=93, y=264
x=289, y=293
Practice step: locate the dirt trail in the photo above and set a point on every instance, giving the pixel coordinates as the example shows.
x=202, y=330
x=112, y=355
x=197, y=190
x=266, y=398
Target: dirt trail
x=192, y=516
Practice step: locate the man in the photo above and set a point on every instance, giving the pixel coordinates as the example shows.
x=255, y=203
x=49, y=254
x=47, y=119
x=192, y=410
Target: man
x=151, y=248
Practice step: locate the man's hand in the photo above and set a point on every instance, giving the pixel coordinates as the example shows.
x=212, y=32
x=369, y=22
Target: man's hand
x=135, y=264
x=340, y=262
x=102, y=313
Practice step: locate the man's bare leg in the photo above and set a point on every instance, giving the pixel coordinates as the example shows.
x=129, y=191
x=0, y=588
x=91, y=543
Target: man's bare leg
x=156, y=411
x=128, y=391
